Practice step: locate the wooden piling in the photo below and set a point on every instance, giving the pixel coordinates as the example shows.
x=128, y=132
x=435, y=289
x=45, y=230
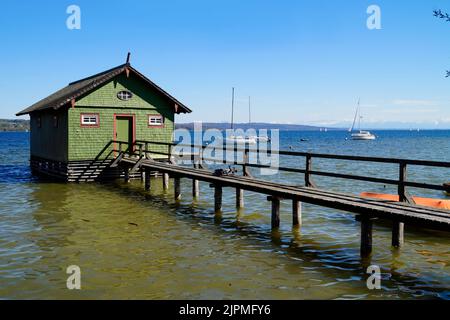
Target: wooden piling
x=275, y=211
x=398, y=234
x=195, y=188
x=296, y=213
x=366, y=235
x=165, y=178
x=195, y=183
x=239, y=198
x=217, y=198
x=147, y=179
x=177, y=188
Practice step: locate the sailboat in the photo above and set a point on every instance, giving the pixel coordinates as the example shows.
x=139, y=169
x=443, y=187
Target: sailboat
x=233, y=138
x=257, y=138
x=360, y=134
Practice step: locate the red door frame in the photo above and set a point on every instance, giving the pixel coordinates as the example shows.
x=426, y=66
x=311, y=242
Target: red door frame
x=133, y=121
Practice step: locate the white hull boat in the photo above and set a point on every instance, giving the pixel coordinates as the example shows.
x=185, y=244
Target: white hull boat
x=360, y=134
x=240, y=140
x=363, y=135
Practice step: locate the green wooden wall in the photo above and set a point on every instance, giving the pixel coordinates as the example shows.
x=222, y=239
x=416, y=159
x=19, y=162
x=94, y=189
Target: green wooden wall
x=87, y=143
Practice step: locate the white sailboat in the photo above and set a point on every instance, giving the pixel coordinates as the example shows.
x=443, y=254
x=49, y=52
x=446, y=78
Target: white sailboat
x=233, y=138
x=360, y=134
x=257, y=138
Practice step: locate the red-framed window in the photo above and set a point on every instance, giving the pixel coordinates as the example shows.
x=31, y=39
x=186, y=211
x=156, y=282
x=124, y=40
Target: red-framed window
x=155, y=121
x=90, y=120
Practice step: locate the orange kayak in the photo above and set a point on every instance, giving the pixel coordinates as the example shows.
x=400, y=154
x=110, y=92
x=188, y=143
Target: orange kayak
x=427, y=202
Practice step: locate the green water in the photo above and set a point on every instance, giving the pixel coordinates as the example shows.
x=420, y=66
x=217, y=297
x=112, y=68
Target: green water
x=132, y=244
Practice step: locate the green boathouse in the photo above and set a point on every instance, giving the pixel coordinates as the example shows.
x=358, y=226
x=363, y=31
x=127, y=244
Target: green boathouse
x=72, y=130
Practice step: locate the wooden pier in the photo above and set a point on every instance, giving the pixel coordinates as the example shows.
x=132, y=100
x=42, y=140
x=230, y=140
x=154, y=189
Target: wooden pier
x=366, y=210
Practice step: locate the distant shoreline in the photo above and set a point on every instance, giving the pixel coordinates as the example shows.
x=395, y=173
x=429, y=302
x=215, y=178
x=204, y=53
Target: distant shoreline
x=14, y=125
x=20, y=125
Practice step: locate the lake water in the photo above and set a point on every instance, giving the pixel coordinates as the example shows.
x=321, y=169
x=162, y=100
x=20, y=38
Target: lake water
x=131, y=244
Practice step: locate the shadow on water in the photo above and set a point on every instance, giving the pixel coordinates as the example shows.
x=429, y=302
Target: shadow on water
x=334, y=261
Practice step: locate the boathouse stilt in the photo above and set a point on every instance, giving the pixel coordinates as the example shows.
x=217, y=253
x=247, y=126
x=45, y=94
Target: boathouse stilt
x=398, y=237
x=275, y=211
x=239, y=198
x=147, y=179
x=165, y=178
x=177, y=188
x=296, y=213
x=366, y=235
x=217, y=198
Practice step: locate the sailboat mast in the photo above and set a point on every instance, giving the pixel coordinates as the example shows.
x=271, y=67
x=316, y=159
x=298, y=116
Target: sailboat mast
x=359, y=117
x=356, y=115
x=249, y=111
x=232, y=107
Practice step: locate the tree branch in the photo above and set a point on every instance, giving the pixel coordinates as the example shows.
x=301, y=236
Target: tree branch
x=441, y=15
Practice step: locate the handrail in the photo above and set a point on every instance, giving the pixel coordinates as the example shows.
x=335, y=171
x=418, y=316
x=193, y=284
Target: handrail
x=402, y=182
x=428, y=163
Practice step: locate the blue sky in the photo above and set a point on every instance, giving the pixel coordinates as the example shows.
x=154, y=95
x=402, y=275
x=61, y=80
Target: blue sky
x=303, y=62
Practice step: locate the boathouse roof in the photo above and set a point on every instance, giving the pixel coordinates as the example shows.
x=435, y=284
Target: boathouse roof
x=84, y=86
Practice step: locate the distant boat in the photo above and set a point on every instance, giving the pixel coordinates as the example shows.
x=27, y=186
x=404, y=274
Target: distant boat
x=360, y=134
x=244, y=139
x=233, y=138
x=257, y=138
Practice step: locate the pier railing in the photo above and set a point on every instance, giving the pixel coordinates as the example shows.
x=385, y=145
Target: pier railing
x=142, y=148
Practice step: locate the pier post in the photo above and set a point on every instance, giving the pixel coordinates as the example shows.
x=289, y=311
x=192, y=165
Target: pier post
x=217, y=198
x=195, y=188
x=147, y=179
x=239, y=198
x=195, y=185
x=165, y=179
x=127, y=175
x=398, y=229
x=366, y=235
x=275, y=211
x=397, y=226
x=177, y=187
x=296, y=213
x=307, y=171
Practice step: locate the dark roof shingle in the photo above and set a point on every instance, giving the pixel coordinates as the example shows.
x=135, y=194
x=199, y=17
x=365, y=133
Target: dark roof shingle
x=86, y=85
